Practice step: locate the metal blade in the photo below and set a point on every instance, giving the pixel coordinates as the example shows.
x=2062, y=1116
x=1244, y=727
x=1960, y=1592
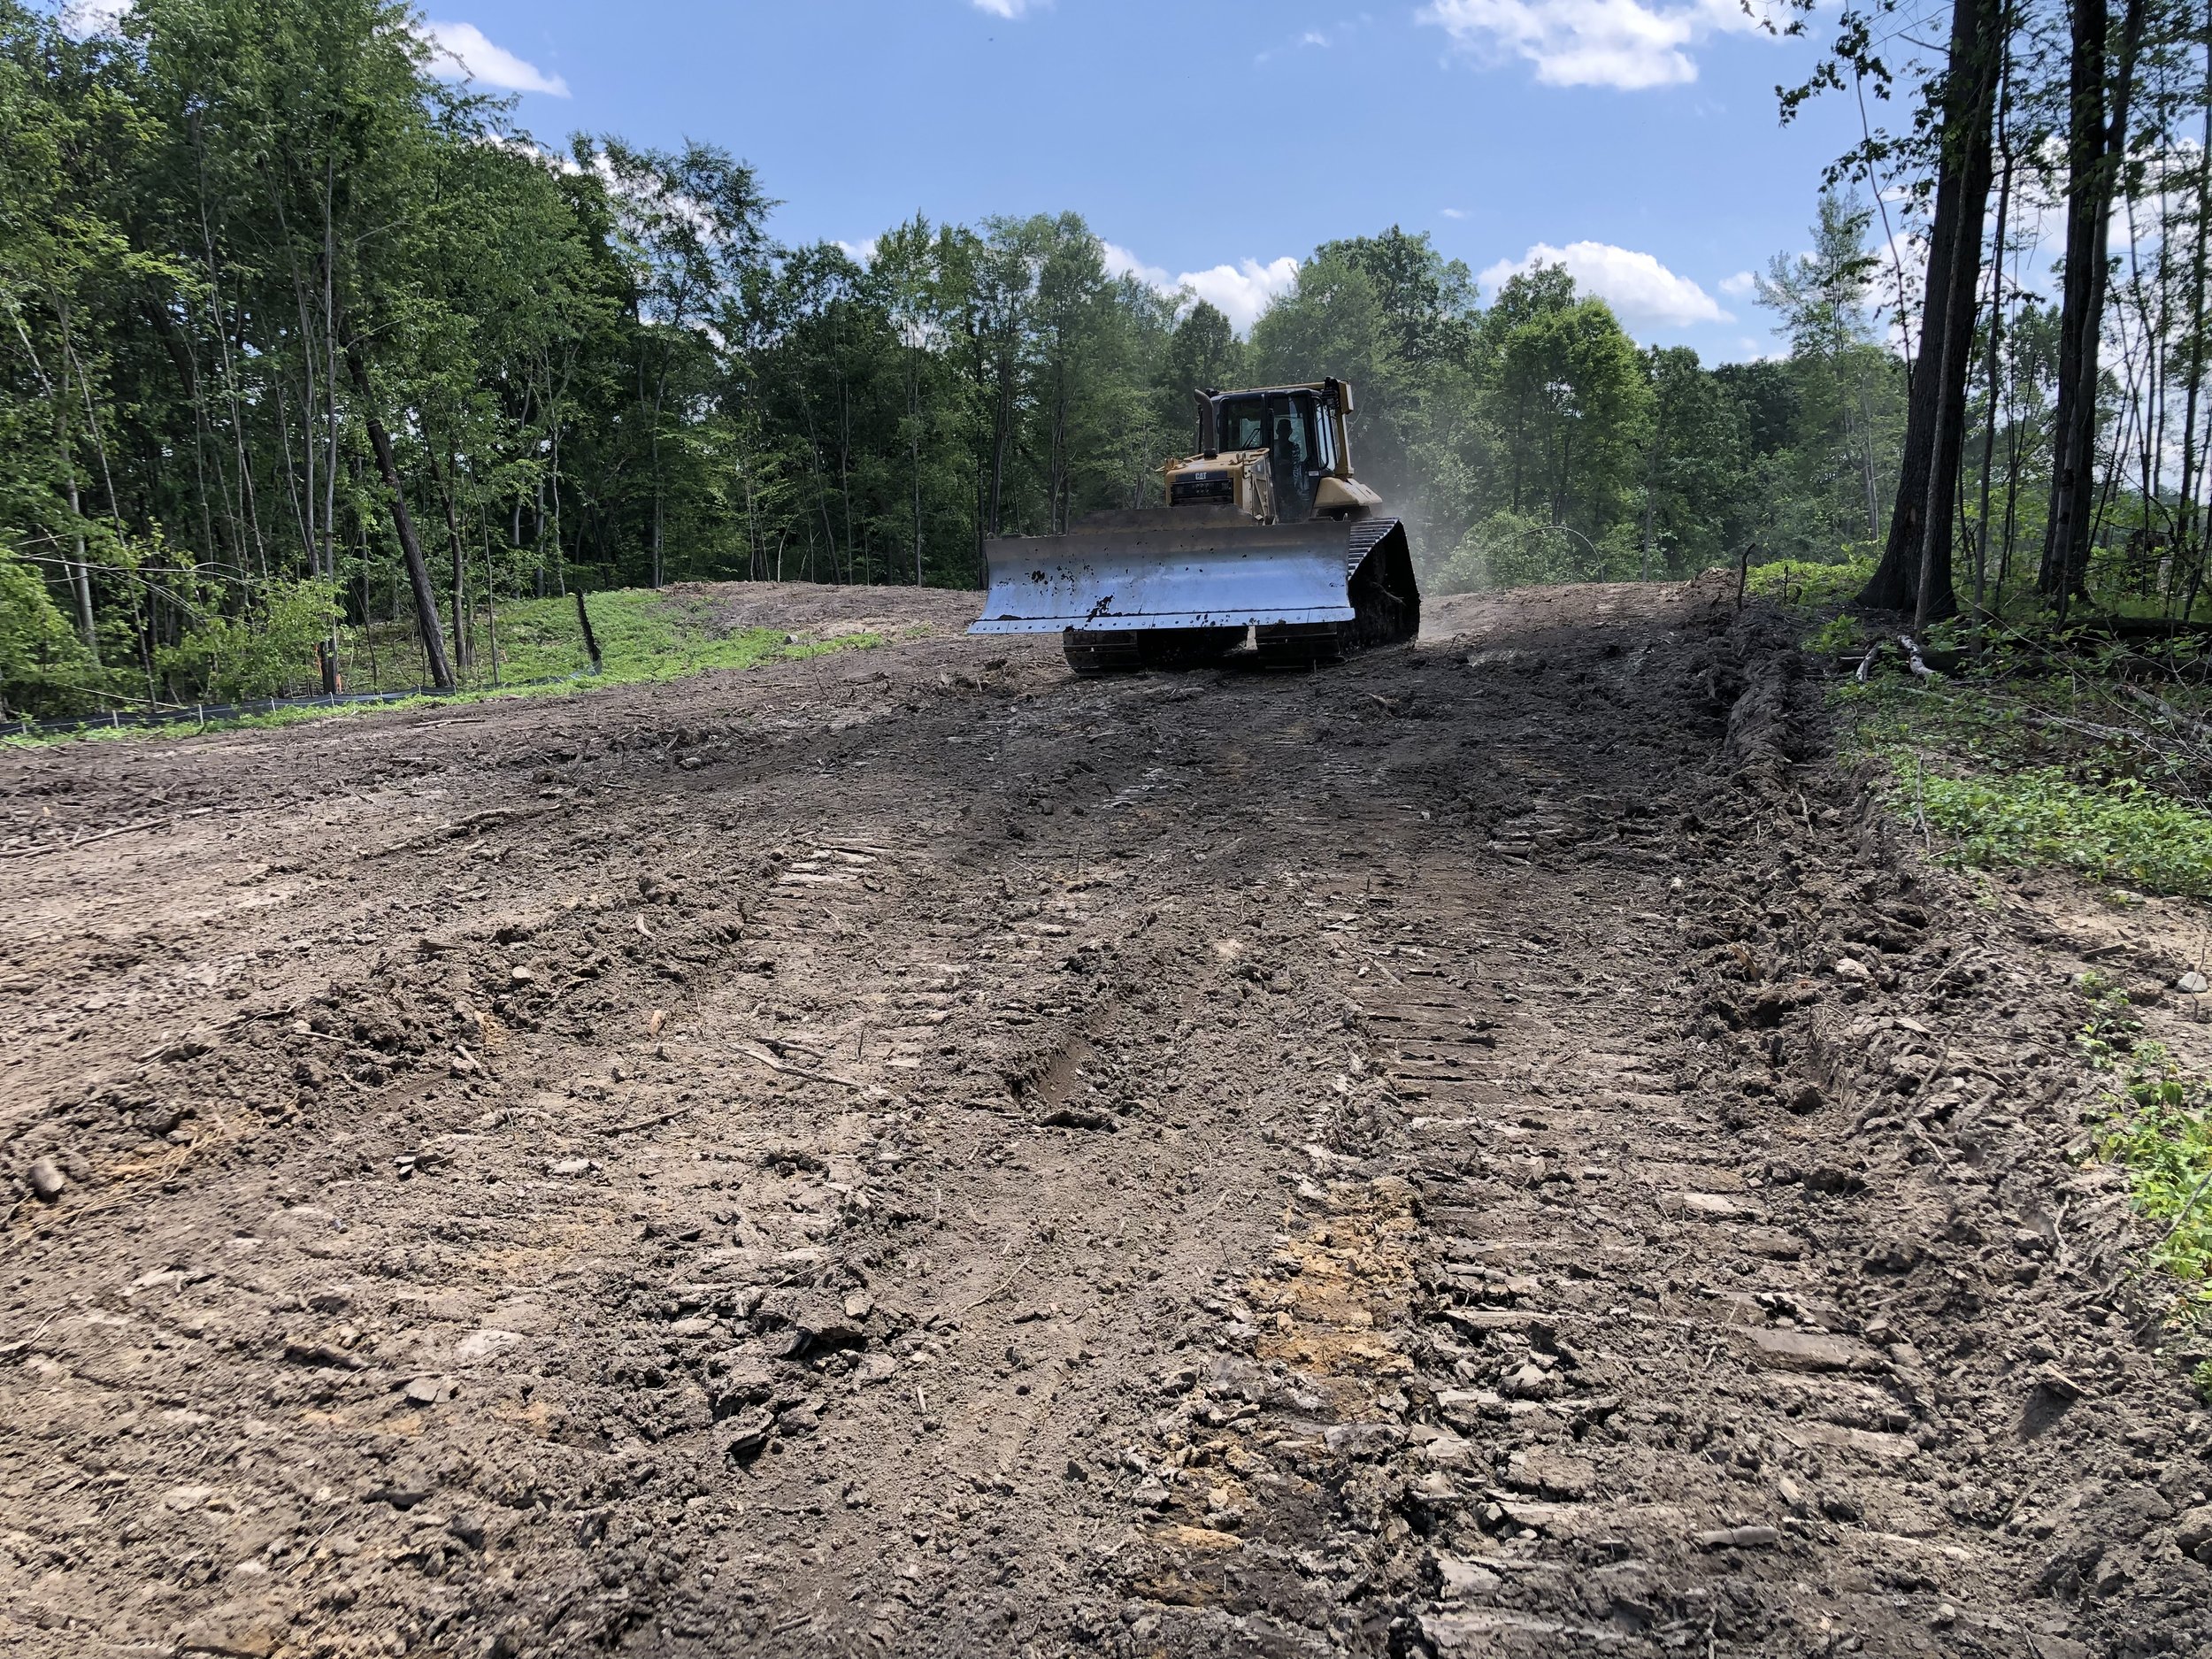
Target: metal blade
x=1167, y=567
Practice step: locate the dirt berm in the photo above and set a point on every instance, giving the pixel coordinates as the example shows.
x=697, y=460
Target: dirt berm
x=1491, y=1149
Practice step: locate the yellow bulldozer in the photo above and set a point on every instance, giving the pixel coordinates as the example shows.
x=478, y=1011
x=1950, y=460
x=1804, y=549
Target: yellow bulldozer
x=1267, y=535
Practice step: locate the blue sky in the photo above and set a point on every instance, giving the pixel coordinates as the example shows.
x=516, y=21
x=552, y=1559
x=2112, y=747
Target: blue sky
x=1638, y=138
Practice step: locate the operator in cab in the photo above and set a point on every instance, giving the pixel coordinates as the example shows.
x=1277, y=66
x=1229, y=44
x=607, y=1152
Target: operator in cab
x=1288, y=469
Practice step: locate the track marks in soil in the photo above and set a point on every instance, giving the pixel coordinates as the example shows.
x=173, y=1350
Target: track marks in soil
x=1437, y=1248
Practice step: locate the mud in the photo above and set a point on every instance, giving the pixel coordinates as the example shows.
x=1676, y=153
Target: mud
x=1492, y=1149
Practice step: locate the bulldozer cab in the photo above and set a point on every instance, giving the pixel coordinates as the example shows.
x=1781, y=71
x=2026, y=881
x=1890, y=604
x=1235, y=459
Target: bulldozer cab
x=1292, y=426
x=1291, y=436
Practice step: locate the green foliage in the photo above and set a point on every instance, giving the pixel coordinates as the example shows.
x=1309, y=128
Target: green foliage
x=1512, y=550
x=40, y=654
x=642, y=635
x=1835, y=429
x=265, y=653
x=2160, y=1132
x=2119, y=830
x=1807, y=582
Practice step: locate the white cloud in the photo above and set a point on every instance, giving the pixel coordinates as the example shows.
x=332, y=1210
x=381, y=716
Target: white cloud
x=1008, y=9
x=1629, y=44
x=1453, y=213
x=862, y=252
x=1636, y=285
x=83, y=18
x=1241, y=292
x=463, y=53
x=1742, y=286
x=1121, y=263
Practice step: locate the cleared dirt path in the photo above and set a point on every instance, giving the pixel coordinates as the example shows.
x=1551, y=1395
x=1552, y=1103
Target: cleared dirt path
x=911, y=1153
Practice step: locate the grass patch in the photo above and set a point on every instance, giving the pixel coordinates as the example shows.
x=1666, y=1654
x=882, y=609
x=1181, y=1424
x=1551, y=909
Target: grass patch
x=2122, y=832
x=1802, y=582
x=2096, y=760
x=2160, y=1135
x=644, y=637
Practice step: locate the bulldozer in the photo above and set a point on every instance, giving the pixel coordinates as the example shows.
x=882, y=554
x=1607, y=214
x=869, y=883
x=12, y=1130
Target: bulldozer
x=1267, y=535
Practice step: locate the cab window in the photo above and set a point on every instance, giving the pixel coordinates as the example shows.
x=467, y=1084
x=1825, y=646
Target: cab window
x=1255, y=423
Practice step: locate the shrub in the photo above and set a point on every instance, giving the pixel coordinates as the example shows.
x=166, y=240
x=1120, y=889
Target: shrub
x=260, y=654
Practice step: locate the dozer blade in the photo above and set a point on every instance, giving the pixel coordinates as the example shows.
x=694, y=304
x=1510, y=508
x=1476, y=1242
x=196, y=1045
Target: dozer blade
x=1168, y=567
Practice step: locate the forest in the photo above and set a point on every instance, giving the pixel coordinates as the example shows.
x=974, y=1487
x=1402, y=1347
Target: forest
x=303, y=341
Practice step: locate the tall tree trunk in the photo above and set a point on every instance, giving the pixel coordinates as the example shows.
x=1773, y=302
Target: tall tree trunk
x=591, y=640
x=2196, y=338
x=445, y=477
x=1996, y=336
x=403, y=522
x=2096, y=143
x=1914, y=573
x=914, y=450
x=81, y=584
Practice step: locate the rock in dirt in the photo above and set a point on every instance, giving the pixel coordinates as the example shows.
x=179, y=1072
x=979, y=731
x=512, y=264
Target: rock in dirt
x=235, y=1632
x=1552, y=1474
x=1365, y=1440
x=1738, y=1538
x=749, y=1435
x=740, y=1379
x=2130, y=1512
x=429, y=1391
x=818, y=1327
x=1894, y=1255
x=2193, y=1533
x=1713, y=1207
x=1806, y=1350
x=1078, y=1117
x=1531, y=1381
x=478, y=1346
x=2056, y=1383
x=323, y=1355
x=47, y=1181
x=1460, y=1580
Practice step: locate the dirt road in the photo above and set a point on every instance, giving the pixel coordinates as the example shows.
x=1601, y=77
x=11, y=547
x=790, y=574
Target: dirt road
x=1489, y=1149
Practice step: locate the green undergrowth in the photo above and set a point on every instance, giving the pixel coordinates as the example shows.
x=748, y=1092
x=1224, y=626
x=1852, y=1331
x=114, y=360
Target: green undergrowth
x=1802, y=582
x=2157, y=1131
x=643, y=637
x=2019, y=751
x=2057, y=763
x=2119, y=832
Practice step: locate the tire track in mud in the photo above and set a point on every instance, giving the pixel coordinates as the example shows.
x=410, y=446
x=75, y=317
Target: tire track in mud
x=1602, y=1336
